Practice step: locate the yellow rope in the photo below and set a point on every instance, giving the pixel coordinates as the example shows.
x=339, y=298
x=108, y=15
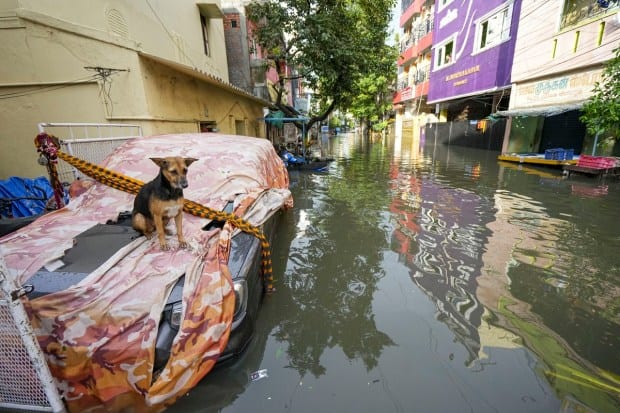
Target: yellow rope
x=132, y=186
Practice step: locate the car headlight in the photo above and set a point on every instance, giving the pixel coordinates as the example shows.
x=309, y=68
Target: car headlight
x=176, y=315
x=241, y=298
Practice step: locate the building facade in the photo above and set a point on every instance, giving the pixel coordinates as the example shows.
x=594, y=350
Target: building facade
x=560, y=51
x=472, y=57
x=414, y=64
x=250, y=69
x=158, y=64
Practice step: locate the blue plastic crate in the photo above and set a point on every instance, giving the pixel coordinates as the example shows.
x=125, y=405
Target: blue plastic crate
x=549, y=153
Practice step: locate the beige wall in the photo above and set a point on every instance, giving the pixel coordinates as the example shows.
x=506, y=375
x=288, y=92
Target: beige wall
x=46, y=45
x=185, y=101
x=170, y=29
x=539, y=30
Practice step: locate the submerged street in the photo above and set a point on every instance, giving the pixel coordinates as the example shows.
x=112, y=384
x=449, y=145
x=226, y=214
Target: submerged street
x=414, y=277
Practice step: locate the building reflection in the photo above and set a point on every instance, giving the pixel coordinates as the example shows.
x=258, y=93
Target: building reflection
x=499, y=269
x=438, y=235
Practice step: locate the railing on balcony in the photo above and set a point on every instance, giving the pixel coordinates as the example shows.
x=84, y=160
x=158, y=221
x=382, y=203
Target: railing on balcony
x=404, y=92
x=404, y=5
x=578, y=11
x=422, y=75
x=418, y=31
x=261, y=91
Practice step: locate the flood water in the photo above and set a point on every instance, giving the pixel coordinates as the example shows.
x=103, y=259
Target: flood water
x=419, y=278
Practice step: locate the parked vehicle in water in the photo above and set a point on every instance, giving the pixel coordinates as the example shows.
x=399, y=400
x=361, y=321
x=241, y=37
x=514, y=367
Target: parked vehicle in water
x=122, y=322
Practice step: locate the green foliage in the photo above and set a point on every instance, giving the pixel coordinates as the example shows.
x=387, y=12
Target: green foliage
x=334, y=122
x=373, y=92
x=602, y=111
x=331, y=43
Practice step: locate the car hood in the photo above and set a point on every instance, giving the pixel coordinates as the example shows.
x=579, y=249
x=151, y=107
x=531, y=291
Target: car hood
x=99, y=335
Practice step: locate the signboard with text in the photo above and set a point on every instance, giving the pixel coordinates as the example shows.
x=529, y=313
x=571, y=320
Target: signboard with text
x=558, y=90
x=469, y=57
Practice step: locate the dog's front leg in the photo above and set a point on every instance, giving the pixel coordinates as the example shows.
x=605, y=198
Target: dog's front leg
x=178, y=222
x=161, y=233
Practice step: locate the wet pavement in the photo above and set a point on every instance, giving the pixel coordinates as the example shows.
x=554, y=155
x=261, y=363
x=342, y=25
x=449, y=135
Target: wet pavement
x=414, y=277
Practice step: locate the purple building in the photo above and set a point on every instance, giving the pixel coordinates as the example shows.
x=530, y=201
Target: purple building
x=473, y=50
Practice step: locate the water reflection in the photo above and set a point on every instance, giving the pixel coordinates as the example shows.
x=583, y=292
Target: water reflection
x=439, y=236
x=416, y=277
x=516, y=263
x=329, y=279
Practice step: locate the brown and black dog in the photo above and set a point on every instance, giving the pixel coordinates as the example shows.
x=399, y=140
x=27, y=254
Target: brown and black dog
x=162, y=199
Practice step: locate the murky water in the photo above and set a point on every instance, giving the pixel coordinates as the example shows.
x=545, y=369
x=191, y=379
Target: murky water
x=422, y=278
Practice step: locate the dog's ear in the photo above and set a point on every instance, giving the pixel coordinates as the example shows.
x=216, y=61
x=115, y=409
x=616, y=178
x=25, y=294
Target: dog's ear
x=189, y=161
x=161, y=162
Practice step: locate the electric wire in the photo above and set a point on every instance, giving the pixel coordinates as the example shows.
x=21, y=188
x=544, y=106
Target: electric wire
x=44, y=88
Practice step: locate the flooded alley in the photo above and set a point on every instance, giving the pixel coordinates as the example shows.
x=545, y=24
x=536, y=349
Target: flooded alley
x=414, y=277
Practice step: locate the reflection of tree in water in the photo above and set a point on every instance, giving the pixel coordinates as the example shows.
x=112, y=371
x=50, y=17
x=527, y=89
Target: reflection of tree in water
x=333, y=271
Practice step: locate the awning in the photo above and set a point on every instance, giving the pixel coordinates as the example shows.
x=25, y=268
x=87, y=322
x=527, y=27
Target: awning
x=203, y=76
x=542, y=111
x=275, y=118
x=210, y=9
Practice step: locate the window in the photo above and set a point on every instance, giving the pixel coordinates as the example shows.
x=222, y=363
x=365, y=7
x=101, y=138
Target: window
x=444, y=54
x=239, y=127
x=601, y=32
x=576, y=44
x=575, y=12
x=205, y=33
x=443, y=3
x=208, y=126
x=493, y=29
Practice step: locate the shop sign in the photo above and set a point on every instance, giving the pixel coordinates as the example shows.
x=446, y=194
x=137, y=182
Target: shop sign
x=575, y=87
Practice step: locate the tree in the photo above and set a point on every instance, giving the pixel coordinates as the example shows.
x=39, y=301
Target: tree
x=601, y=113
x=373, y=92
x=332, y=44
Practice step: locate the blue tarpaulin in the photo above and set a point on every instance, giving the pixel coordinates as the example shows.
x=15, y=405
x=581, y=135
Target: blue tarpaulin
x=24, y=197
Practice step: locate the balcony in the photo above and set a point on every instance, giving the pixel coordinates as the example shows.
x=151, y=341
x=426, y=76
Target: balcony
x=420, y=86
x=421, y=89
x=261, y=91
x=409, y=9
x=402, y=95
x=416, y=43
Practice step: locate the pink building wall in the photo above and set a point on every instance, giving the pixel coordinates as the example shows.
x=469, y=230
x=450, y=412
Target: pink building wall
x=539, y=29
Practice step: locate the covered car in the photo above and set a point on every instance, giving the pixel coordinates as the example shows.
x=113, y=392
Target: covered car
x=123, y=323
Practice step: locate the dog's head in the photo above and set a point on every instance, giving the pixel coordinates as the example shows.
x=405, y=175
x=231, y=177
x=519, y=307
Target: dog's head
x=174, y=169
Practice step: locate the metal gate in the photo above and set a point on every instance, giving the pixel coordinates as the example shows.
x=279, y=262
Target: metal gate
x=25, y=380
x=88, y=141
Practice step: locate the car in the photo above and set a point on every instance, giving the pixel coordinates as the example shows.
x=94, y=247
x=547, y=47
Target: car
x=122, y=322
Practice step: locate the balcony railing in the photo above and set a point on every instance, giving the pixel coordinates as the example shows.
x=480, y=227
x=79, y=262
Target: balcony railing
x=404, y=5
x=261, y=91
x=578, y=11
x=421, y=75
x=418, y=31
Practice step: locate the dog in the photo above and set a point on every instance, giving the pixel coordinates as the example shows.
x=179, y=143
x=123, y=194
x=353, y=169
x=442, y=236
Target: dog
x=162, y=199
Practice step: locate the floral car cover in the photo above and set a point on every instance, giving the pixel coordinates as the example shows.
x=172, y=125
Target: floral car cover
x=99, y=335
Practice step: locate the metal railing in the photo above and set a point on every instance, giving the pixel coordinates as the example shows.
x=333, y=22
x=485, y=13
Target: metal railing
x=89, y=141
x=25, y=379
x=577, y=11
x=418, y=31
x=421, y=75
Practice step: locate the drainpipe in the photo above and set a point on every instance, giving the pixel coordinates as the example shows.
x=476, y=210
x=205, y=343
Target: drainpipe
x=506, y=140
x=595, y=143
